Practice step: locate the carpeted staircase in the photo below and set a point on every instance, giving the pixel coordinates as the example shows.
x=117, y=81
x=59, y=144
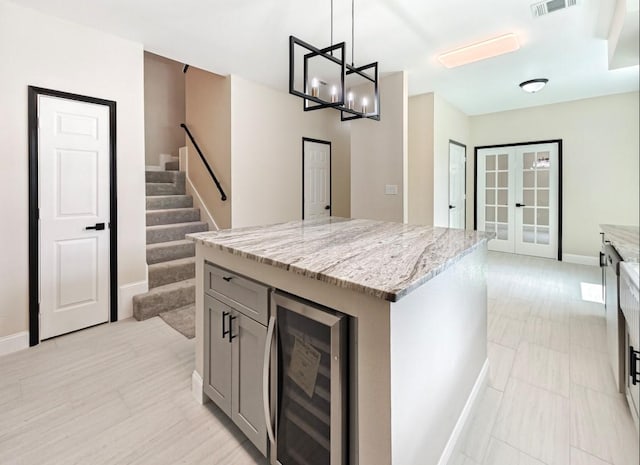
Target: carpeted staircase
x=171, y=258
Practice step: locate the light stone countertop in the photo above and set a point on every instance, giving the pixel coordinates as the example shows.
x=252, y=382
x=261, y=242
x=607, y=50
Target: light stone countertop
x=632, y=270
x=625, y=239
x=382, y=259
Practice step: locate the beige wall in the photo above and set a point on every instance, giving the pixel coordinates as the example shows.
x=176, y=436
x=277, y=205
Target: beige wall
x=267, y=127
x=433, y=122
x=420, y=135
x=379, y=155
x=600, y=160
x=164, y=107
x=71, y=58
x=449, y=123
x=208, y=116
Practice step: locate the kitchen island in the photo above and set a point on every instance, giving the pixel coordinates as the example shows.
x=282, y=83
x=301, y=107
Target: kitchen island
x=417, y=302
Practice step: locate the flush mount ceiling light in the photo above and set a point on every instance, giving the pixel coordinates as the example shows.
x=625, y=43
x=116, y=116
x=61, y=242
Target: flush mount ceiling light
x=325, y=80
x=480, y=51
x=534, y=85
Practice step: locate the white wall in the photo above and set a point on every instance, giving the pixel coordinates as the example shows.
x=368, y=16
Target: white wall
x=267, y=127
x=379, y=155
x=600, y=160
x=43, y=51
x=449, y=123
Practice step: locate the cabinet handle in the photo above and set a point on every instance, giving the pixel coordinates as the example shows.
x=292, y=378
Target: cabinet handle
x=265, y=378
x=634, y=356
x=224, y=330
x=231, y=335
x=227, y=278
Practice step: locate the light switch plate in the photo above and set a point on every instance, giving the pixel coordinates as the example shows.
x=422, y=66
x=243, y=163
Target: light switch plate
x=391, y=189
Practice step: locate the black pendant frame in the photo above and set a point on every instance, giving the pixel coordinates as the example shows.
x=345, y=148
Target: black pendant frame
x=346, y=114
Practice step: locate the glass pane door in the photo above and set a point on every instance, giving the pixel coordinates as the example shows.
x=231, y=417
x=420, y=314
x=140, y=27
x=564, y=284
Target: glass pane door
x=494, y=196
x=517, y=198
x=536, y=200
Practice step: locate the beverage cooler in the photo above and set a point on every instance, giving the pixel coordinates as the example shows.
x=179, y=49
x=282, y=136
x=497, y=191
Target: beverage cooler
x=305, y=383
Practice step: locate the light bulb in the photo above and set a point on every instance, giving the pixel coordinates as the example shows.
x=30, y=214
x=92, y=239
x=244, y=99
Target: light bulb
x=364, y=104
x=314, y=87
x=350, y=101
x=334, y=94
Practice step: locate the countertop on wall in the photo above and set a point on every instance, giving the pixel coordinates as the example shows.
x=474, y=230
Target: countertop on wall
x=625, y=239
x=382, y=259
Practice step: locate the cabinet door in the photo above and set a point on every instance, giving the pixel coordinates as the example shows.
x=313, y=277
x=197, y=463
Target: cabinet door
x=217, y=354
x=247, y=356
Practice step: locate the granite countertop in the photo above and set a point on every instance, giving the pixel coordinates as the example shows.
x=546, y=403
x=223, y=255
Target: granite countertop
x=625, y=239
x=385, y=260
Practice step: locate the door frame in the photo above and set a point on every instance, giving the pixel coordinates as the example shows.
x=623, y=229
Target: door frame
x=34, y=227
x=317, y=141
x=516, y=144
x=464, y=177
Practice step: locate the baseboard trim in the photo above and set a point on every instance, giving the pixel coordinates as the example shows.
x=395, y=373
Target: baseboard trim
x=191, y=189
x=125, y=297
x=580, y=259
x=14, y=342
x=482, y=381
x=197, y=388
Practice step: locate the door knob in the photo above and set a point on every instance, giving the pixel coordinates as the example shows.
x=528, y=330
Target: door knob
x=520, y=205
x=327, y=207
x=97, y=227
x=451, y=207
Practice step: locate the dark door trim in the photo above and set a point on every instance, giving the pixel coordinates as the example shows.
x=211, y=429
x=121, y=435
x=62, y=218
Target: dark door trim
x=464, y=177
x=318, y=141
x=34, y=265
x=515, y=144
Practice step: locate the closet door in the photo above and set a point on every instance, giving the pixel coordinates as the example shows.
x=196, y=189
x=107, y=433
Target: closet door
x=496, y=196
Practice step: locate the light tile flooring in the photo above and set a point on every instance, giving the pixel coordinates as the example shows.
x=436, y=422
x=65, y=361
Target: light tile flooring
x=120, y=394
x=551, y=399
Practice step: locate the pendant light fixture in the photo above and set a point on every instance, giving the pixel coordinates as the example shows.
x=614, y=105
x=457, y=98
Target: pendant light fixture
x=327, y=81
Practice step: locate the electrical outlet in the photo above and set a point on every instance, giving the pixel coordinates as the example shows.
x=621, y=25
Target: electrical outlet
x=391, y=189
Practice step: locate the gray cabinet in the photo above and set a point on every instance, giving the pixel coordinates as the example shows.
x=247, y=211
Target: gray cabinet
x=235, y=336
x=247, y=358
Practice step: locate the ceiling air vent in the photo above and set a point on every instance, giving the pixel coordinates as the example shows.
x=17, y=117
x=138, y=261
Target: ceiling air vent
x=549, y=6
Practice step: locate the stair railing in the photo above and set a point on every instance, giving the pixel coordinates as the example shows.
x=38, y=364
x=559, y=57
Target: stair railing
x=223, y=196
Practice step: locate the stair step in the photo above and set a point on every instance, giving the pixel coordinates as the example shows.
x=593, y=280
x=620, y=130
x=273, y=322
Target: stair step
x=172, y=216
x=167, y=251
x=160, y=176
x=164, y=188
x=161, y=202
x=173, y=232
x=172, y=166
x=171, y=271
x=164, y=298
x=172, y=185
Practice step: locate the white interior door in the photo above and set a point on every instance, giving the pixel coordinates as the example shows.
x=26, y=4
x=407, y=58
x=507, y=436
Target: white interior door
x=73, y=176
x=517, y=198
x=536, y=187
x=317, y=179
x=457, y=196
x=495, y=196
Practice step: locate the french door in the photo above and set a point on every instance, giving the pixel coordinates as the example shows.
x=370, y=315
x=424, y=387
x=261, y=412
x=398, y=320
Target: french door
x=517, y=198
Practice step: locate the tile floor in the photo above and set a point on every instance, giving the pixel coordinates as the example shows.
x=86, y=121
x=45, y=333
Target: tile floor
x=551, y=399
x=120, y=394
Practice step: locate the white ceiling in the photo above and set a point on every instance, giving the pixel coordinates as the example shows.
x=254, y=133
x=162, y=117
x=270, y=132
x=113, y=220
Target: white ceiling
x=250, y=38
